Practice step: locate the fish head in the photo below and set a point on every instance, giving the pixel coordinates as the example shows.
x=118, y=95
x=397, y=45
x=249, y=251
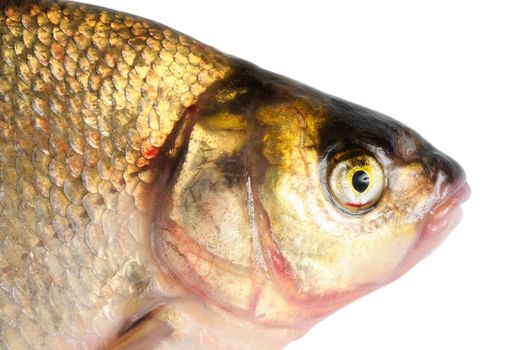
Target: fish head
x=291, y=203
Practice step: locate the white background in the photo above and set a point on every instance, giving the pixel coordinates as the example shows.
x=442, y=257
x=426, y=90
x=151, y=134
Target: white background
x=455, y=71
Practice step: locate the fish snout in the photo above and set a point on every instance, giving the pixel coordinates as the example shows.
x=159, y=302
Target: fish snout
x=451, y=185
x=447, y=167
x=443, y=171
x=449, y=176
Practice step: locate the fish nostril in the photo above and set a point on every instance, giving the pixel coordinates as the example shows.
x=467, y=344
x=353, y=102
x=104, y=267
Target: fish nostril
x=405, y=146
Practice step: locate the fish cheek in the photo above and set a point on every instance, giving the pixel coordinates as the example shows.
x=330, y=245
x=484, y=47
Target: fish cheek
x=330, y=252
x=321, y=249
x=309, y=240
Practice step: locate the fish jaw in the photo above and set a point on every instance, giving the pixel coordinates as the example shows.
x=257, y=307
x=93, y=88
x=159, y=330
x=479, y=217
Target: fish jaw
x=439, y=223
x=435, y=227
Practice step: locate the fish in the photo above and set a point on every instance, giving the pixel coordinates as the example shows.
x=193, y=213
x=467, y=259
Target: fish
x=156, y=193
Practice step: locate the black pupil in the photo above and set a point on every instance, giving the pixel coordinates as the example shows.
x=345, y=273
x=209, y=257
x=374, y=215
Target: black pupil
x=360, y=181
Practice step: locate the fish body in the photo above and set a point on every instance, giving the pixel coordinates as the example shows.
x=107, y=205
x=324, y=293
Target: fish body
x=156, y=193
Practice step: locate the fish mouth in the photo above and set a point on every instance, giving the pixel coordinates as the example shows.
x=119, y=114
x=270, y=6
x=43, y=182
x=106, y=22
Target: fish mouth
x=445, y=216
x=440, y=221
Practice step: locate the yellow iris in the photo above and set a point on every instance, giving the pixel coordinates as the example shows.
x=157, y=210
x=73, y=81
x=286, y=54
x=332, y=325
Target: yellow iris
x=356, y=183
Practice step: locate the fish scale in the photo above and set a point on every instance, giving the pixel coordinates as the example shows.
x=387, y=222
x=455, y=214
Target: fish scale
x=86, y=99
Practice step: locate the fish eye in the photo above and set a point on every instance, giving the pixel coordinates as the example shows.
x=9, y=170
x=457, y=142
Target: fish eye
x=356, y=182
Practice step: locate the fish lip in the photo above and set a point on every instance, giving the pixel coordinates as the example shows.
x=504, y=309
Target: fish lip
x=454, y=197
x=443, y=218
